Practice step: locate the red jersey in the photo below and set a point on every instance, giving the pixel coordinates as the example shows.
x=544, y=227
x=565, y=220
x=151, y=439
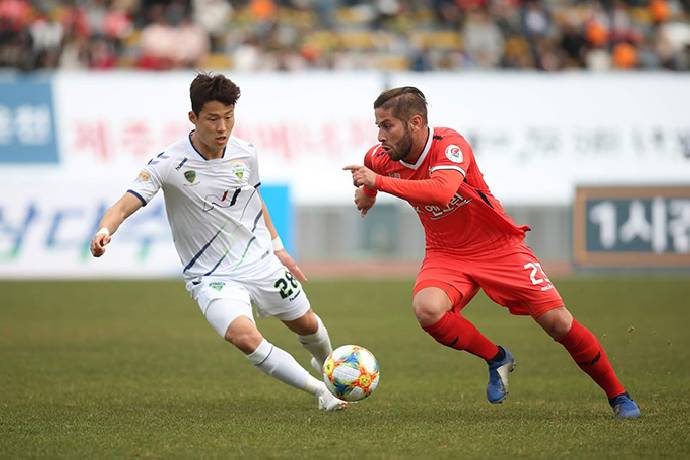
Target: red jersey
x=473, y=222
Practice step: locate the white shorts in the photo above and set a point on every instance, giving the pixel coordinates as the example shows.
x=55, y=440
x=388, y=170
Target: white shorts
x=271, y=289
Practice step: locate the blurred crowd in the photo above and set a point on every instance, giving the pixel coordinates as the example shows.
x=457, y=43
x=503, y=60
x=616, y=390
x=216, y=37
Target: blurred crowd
x=418, y=35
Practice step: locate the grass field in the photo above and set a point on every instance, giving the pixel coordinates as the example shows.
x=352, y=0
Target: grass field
x=131, y=369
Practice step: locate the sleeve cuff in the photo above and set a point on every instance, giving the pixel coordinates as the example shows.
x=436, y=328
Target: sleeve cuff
x=370, y=191
x=138, y=195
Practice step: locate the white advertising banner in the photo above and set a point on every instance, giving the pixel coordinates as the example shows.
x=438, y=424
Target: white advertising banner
x=305, y=126
x=45, y=232
x=537, y=136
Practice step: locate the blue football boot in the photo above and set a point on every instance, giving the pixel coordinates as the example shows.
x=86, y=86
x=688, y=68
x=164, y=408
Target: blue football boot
x=497, y=389
x=624, y=407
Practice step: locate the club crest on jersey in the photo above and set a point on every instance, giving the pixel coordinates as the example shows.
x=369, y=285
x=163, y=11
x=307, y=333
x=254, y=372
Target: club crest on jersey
x=190, y=176
x=144, y=176
x=454, y=154
x=239, y=170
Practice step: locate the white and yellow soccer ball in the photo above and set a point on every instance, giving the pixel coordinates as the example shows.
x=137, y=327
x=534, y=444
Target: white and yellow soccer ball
x=351, y=372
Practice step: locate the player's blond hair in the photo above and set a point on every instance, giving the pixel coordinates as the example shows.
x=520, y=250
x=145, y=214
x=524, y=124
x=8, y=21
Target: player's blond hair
x=403, y=102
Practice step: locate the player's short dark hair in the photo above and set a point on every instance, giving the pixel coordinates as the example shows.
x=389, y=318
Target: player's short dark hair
x=403, y=102
x=207, y=87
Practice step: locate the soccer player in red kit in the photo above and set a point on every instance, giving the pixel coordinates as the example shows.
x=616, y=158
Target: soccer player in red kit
x=471, y=243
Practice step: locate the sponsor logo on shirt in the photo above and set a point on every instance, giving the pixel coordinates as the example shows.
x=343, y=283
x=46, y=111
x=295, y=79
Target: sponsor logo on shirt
x=217, y=285
x=454, y=154
x=226, y=200
x=438, y=212
x=144, y=176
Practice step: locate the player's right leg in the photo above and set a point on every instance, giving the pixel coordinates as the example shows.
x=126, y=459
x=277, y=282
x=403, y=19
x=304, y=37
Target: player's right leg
x=434, y=310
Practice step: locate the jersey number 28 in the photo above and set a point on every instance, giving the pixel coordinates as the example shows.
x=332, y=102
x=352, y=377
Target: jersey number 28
x=287, y=285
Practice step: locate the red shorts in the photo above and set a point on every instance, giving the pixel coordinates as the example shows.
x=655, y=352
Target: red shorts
x=512, y=277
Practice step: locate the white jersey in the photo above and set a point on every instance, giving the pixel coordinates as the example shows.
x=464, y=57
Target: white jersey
x=213, y=207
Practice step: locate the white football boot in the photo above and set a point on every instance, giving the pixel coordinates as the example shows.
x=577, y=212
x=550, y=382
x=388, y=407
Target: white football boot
x=327, y=402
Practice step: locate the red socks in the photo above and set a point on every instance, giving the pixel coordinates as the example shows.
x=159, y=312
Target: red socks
x=590, y=356
x=454, y=331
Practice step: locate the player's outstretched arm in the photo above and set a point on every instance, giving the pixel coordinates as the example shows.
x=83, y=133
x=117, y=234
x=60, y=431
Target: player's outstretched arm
x=437, y=190
x=111, y=221
x=278, y=248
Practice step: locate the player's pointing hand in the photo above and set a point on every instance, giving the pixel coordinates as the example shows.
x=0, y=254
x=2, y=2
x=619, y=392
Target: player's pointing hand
x=361, y=175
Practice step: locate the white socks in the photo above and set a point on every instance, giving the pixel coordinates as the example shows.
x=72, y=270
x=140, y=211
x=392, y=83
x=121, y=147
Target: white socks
x=318, y=343
x=281, y=365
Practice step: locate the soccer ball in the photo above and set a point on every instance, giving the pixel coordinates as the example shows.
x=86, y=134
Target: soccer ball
x=351, y=372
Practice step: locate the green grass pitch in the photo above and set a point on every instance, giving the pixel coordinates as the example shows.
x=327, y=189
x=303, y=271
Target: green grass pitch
x=131, y=369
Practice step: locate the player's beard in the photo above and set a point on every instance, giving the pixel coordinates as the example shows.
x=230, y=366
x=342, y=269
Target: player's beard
x=402, y=148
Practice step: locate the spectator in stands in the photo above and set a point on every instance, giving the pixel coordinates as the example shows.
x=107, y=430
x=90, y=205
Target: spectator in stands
x=213, y=17
x=157, y=41
x=192, y=43
x=303, y=34
x=483, y=39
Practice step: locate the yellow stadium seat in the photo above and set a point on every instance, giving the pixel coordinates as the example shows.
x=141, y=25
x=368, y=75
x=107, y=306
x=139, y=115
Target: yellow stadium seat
x=216, y=61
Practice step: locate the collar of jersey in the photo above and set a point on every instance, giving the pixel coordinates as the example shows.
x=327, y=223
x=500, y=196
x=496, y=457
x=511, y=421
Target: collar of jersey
x=421, y=158
x=199, y=153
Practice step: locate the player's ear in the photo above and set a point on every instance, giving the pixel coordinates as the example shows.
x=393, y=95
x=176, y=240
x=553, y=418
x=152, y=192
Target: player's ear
x=416, y=121
x=192, y=117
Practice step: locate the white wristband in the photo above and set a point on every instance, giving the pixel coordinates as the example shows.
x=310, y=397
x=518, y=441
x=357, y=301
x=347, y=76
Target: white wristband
x=277, y=243
x=103, y=231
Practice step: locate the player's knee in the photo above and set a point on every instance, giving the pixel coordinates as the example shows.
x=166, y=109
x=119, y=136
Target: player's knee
x=556, y=323
x=429, y=305
x=427, y=311
x=243, y=337
x=245, y=341
x=306, y=324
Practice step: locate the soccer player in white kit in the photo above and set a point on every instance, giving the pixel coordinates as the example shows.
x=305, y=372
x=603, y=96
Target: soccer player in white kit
x=230, y=250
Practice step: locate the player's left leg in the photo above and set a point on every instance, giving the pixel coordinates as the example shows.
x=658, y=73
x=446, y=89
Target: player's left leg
x=277, y=293
x=226, y=305
x=516, y=280
x=274, y=361
x=590, y=356
x=313, y=336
